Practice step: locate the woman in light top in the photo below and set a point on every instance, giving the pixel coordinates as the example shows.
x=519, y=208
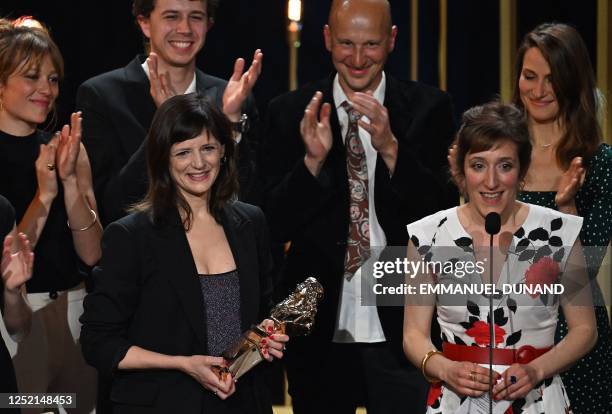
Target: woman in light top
x=539, y=247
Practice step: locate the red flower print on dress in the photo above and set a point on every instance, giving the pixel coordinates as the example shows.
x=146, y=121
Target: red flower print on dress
x=542, y=273
x=480, y=332
x=435, y=391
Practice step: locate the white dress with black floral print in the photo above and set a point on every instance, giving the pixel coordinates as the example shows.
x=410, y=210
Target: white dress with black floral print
x=537, y=256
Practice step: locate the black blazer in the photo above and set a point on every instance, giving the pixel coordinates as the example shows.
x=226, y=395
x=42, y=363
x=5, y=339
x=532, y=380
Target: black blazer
x=314, y=212
x=147, y=294
x=117, y=112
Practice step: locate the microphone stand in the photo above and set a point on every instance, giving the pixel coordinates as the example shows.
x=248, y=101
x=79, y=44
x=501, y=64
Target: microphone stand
x=491, y=326
x=492, y=227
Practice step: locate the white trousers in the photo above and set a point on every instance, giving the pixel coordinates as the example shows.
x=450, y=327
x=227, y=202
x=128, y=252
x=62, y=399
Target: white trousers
x=49, y=359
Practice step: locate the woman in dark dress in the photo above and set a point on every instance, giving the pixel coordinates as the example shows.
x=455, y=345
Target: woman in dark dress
x=47, y=179
x=182, y=277
x=570, y=171
x=17, y=260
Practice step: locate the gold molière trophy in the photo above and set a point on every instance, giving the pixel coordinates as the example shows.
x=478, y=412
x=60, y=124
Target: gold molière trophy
x=294, y=316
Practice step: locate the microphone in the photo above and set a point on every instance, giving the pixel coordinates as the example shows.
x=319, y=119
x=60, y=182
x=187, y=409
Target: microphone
x=492, y=223
x=492, y=227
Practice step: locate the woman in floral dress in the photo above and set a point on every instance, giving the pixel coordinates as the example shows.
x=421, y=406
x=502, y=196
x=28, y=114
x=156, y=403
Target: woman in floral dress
x=536, y=248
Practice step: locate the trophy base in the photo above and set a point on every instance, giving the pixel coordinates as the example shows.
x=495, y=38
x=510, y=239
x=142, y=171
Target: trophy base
x=246, y=353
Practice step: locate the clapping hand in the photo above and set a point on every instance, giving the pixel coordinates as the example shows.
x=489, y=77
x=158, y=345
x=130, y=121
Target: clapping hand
x=68, y=148
x=16, y=267
x=240, y=85
x=45, y=170
x=161, y=86
x=378, y=126
x=316, y=133
x=569, y=184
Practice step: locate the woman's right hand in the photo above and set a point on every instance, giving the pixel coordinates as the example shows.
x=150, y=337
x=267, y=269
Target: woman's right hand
x=200, y=367
x=16, y=267
x=453, y=166
x=46, y=168
x=468, y=378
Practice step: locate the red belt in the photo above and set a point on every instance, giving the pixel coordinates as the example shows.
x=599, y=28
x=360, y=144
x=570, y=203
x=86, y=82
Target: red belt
x=523, y=355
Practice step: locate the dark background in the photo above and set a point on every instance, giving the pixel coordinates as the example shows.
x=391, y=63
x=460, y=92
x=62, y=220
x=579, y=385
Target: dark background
x=97, y=36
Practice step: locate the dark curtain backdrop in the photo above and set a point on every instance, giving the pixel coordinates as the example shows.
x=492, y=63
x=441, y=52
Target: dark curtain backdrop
x=97, y=36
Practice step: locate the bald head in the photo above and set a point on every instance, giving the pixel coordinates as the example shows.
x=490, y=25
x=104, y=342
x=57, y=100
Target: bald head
x=359, y=36
x=355, y=10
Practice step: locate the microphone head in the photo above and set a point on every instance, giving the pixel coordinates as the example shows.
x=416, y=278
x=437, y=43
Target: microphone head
x=492, y=223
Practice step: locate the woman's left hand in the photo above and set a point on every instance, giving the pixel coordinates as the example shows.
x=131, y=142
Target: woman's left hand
x=240, y=84
x=274, y=345
x=569, y=184
x=516, y=382
x=69, y=147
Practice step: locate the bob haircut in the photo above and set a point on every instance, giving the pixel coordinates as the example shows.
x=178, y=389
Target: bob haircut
x=488, y=126
x=573, y=82
x=179, y=119
x=23, y=47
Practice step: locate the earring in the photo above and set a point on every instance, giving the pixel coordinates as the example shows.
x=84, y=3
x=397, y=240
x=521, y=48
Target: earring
x=224, y=159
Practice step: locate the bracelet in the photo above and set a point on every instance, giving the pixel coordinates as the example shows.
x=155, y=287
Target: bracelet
x=90, y=225
x=424, y=363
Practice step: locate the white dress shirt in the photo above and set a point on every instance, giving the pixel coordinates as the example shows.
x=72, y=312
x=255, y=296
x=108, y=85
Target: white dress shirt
x=190, y=89
x=355, y=322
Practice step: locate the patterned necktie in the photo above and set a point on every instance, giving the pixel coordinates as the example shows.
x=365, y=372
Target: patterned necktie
x=358, y=242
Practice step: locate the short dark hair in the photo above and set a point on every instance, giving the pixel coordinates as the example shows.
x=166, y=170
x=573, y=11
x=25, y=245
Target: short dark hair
x=486, y=126
x=573, y=81
x=145, y=7
x=181, y=118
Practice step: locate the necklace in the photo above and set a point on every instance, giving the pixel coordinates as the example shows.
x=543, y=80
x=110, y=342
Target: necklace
x=545, y=145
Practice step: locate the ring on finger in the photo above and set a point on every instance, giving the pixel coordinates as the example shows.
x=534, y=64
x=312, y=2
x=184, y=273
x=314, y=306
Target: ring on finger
x=472, y=376
x=51, y=167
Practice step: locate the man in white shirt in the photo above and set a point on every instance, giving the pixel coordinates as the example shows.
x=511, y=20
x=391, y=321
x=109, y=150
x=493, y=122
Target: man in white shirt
x=342, y=179
x=118, y=106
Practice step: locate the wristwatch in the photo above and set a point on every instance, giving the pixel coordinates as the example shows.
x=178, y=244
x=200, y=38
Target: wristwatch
x=242, y=125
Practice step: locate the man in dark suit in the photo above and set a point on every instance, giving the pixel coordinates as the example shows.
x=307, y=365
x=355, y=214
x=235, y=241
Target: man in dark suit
x=366, y=157
x=118, y=106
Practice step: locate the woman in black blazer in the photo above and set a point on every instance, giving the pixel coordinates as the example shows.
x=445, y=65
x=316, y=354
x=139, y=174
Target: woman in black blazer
x=182, y=277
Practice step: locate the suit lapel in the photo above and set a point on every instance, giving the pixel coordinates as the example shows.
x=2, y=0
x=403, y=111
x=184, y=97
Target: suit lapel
x=179, y=267
x=241, y=238
x=138, y=94
x=400, y=115
x=337, y=154
x=207, y=88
